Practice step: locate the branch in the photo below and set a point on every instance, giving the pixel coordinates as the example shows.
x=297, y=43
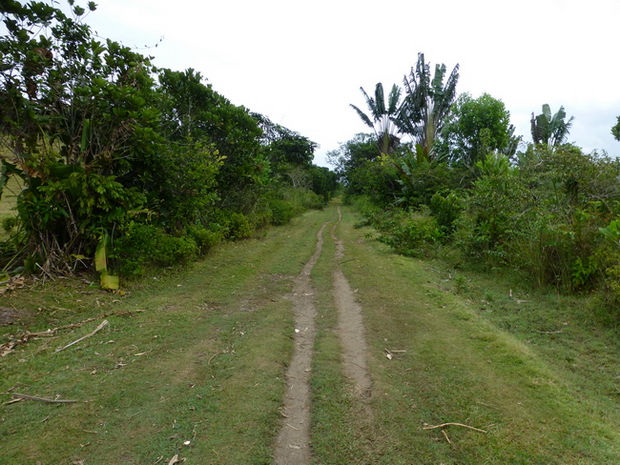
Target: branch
x=454, y=424
x=42, y=399
x=103, y=324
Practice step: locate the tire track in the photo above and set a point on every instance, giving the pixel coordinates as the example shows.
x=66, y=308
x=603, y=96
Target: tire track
x=293, y=441
x=351, y=330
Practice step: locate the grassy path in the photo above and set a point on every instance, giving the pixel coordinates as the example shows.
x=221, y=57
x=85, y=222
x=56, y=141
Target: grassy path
x=194, y=364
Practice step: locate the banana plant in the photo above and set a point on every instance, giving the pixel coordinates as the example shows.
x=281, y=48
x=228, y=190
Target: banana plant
x=102, y=253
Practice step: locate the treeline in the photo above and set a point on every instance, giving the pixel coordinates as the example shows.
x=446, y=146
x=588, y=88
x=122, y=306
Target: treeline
x=445, y=174
x=133, y=165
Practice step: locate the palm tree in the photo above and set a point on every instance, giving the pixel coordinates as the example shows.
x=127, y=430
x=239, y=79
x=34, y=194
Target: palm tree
x=382, y=122
x=427, y=104
x=550, y=130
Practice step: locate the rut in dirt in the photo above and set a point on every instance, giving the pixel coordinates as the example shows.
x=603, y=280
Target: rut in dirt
x=293, y=441
x=351, y=328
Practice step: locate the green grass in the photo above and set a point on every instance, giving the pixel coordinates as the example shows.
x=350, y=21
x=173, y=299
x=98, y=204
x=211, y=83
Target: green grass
x=467, y=365
x=201, y=355
x=203, y=360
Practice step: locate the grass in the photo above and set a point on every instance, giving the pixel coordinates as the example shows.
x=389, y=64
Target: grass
x=465, y=364
x=195, y=356
x=200, y=355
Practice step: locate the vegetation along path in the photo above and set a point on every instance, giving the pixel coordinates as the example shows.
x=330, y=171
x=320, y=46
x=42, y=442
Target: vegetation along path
x=314, y=344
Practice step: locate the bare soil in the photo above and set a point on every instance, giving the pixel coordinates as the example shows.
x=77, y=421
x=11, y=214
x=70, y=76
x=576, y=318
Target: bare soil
x=293, y=441
x=11, y=315
x=350, y=326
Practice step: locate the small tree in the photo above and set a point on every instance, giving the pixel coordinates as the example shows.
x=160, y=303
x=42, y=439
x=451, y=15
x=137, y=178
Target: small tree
x=427, y=104
x=474, y=128
x=550, y=129
x=77, y=113
x=382, y=115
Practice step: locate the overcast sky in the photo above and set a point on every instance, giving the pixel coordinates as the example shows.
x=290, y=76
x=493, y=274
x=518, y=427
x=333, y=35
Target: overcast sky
x=302, y=63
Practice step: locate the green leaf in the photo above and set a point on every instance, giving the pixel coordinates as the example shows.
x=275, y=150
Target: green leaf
x=108, y=281
x=101, y=253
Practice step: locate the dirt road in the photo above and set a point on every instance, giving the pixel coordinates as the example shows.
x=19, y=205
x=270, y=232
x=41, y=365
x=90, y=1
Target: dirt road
x=293, y=442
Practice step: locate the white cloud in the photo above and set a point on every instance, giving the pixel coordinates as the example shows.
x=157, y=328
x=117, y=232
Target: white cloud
x=302, y=64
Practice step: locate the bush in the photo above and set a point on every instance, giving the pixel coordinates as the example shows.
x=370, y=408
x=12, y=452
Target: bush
x=410, y=234
x=205, y=239
x=282, y=211
x=234, y=225
x=446, y=210
x=146, y=246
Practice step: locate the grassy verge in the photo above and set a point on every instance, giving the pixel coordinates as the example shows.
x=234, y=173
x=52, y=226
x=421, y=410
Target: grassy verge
x=194, y=356
x=201, y=355
x=537, y=399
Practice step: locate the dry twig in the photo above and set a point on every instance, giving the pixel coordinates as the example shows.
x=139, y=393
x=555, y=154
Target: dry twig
x=174, y=460
x=103, y=324
x=454, y=424
x=43, y=399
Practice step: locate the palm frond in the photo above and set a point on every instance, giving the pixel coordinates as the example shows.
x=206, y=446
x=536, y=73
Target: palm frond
x=394, y=100
x=379, y=101
x=364, y=117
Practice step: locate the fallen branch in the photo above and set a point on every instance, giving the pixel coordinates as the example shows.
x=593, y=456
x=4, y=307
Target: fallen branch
x=443, y=425
x=103, y=324
x=174, y=460
x=43, y=399
x=8, y=347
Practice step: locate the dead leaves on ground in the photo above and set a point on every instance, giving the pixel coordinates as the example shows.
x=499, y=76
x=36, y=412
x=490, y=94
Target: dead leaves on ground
x=16, y=282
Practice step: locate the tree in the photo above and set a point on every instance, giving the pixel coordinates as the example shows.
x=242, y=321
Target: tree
x=616, y=130
x=352, y=154
x=474, y=128
x=194, y=109
x=361, y=170
x=284, y=148
x=548, y=129
x=382, y=115
x=427, y=104
x=78, y=115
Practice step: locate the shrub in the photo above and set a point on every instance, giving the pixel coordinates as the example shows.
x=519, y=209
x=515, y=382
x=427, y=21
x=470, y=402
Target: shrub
x=146, y=246
x=234, y=225
x=409, y=234
x=205, y=239
x=281, y=211
x=446, y=210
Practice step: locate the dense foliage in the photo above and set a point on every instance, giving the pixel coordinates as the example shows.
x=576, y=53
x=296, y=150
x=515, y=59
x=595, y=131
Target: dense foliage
x=135, y=165
x=482, y=197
